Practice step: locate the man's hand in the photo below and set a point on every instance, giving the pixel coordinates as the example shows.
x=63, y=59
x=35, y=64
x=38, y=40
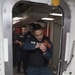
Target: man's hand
x=37, y=45
x=48, y=45
x=20, y=43
x=43, y=47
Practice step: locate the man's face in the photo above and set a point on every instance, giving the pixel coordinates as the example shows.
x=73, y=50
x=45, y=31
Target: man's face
x=24, y=30
x=38, y=34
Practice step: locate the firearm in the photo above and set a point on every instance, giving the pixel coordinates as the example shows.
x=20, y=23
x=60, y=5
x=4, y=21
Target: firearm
x=47, y=44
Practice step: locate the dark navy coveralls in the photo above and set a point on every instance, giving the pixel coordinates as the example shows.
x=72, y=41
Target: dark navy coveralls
x=24, y=54
x=38, y=63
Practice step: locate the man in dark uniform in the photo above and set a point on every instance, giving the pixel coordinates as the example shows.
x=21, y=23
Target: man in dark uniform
x=20, y=41
x=26, y=54
x=41, y=51
x=22, y=55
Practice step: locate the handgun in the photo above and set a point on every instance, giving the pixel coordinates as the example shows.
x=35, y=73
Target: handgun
x=47, y=44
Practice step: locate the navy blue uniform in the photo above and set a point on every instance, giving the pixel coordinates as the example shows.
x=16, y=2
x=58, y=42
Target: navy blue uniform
x=24, y=54
x=38, y=60
x=18, y=52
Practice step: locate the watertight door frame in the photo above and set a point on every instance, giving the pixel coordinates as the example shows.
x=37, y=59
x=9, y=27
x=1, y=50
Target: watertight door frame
x=6, y=22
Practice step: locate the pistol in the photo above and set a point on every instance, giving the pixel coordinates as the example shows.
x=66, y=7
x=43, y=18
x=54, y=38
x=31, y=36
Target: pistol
x=48, y=44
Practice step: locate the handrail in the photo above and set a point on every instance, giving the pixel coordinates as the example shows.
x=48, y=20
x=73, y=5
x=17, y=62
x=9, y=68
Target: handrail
x=71, y=56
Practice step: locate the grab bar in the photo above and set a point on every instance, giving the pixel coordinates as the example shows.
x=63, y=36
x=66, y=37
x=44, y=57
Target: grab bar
x=71, y=56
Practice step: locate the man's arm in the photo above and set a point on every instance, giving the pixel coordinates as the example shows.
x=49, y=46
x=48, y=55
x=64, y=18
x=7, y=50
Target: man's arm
x=29, y=44
x=49, y=52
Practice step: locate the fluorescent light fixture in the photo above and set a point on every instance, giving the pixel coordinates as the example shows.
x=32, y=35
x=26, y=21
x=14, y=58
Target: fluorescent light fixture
x=17, y=18
x=15, y=21
x=47, y=18
x=56, y=14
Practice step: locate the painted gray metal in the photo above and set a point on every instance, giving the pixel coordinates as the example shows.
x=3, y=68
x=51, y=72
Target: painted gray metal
x=71, y=0
x=66, y=28
x=40, y=1
x=2, y=71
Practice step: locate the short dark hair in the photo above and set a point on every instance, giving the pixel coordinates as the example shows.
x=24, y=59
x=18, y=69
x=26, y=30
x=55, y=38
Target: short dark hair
x=24, y=27
x=32, y=25
x=37, y=27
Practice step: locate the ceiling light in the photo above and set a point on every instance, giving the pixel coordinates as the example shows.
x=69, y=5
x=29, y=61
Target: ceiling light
x=56, y=14
x=15, y=21
x=47, y=18
x=17, y=18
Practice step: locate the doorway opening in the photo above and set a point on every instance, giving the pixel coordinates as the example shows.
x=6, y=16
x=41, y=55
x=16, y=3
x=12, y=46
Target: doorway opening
x=50, y=18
